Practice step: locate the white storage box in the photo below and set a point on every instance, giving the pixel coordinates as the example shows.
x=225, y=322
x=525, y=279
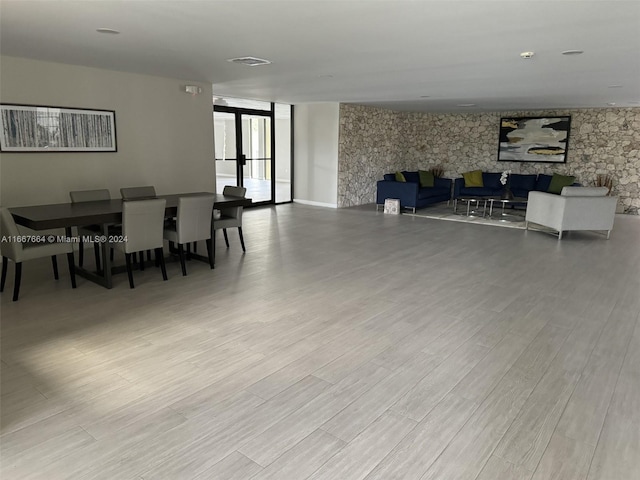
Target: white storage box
x=392, y=206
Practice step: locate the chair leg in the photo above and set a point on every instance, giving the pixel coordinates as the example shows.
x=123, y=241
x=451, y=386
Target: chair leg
x=195, y=247
x=241, y=239
x=127, y=257
x=54, y=262
x=210, y=252
x=72, y=269
x=182, y=262
x=188, y=251
x=226, y=239
x=141, y=262
x=96, y=253
x=608, y=235
x=16, y=282
x=5, y=262
x=213, y=249
x=160, y=260
x=81, y=253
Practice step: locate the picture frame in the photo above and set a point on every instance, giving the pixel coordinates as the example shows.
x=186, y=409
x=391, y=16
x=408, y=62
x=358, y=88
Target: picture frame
x=534, y=139
x=34, y=128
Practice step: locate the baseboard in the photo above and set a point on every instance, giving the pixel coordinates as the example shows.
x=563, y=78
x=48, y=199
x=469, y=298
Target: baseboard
x=315, y=204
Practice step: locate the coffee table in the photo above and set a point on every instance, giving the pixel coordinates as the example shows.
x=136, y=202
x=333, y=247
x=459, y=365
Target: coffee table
x=469, y=200
x=496, y=201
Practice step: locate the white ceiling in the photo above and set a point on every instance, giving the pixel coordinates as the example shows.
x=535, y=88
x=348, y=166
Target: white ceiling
x=387, y=53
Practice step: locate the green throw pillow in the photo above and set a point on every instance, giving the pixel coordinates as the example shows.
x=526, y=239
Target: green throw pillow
x=473, y=179
x=558, y=182
x=400, y=177
x=426, y=178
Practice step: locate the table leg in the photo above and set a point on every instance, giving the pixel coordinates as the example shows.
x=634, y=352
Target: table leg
x=468, y=207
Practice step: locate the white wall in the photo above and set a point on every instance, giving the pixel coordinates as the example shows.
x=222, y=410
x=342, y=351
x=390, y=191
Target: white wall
x=316, y=153
x=165, y=136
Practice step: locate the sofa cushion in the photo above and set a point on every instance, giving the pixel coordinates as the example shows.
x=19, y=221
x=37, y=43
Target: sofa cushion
x=390, y=177
x=412, y=177
x=492, y=180
x=558, y=182
x=522, y=182
x=477, y=192
x=426, y=178
x=399, y=176
x=542, y=183
x=473, y=179
x=430, y=192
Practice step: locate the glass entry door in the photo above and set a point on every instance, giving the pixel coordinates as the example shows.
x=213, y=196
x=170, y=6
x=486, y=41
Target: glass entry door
x=250, y=133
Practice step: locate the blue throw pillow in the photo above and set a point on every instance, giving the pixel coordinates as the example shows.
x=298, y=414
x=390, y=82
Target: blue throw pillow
x=412, y=177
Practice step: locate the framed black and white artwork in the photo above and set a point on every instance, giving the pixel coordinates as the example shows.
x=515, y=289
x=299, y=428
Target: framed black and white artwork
x=29, y=128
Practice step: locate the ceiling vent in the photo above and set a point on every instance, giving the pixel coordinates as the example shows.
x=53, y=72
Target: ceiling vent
x=251, y=61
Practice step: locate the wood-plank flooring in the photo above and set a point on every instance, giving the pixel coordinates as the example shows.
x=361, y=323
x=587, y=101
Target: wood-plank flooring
x=345, y=344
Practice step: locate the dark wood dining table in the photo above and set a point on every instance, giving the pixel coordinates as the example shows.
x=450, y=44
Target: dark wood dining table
x=103, y=213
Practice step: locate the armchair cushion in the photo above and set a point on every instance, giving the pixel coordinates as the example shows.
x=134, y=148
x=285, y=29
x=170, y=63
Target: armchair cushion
x=492, y=180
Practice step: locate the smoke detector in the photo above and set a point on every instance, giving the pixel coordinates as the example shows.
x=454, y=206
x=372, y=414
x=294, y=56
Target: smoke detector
x=250, y=61
x=527, y=54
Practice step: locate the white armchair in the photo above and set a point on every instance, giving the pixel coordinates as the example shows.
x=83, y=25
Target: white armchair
x=576, y=208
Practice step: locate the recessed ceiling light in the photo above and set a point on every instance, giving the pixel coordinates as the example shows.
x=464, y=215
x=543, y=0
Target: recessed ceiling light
x=611, y=104
x=249, y=61
x=527, y=55
x=614, y=86
x=111, y=31
x=466, y=105
x=573, y=52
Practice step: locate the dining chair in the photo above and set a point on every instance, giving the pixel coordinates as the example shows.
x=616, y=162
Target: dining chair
x=19, y=252
x=133, y=193
x=142, y=226
x=80, y=196
x=230, y=217
x=193, y=224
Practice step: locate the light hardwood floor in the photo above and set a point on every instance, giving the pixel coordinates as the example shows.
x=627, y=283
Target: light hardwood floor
x=346, y=344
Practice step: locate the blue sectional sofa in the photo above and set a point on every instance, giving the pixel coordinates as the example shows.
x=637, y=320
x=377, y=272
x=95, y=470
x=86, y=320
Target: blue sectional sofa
x=410, y=194
x=520, y=185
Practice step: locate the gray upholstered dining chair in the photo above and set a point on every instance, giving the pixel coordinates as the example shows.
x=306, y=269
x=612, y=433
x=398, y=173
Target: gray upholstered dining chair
x=142, y=225
x=130, y=193
x=79, y=196
x=193, y=224
x=230, y=217
x=20, y=252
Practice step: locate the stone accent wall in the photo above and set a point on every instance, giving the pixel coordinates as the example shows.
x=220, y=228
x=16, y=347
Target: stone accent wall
x=375, y=141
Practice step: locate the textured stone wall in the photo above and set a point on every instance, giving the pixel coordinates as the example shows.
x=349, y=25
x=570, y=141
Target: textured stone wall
x=600, y=141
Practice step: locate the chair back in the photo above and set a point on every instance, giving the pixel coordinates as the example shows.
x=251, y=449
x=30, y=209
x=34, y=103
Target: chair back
x=233, y=212
x=234, y=191
x=138, y=192
x=11, y=248
x=89, y=195
x=194, y=218
x=143, y=224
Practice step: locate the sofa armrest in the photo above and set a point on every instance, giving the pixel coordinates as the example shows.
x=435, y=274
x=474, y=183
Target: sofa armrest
x=406, y=192
x=458, y=184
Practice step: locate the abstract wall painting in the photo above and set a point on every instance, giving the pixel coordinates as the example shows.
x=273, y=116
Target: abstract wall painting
x=28, y=128
x=534, y=139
